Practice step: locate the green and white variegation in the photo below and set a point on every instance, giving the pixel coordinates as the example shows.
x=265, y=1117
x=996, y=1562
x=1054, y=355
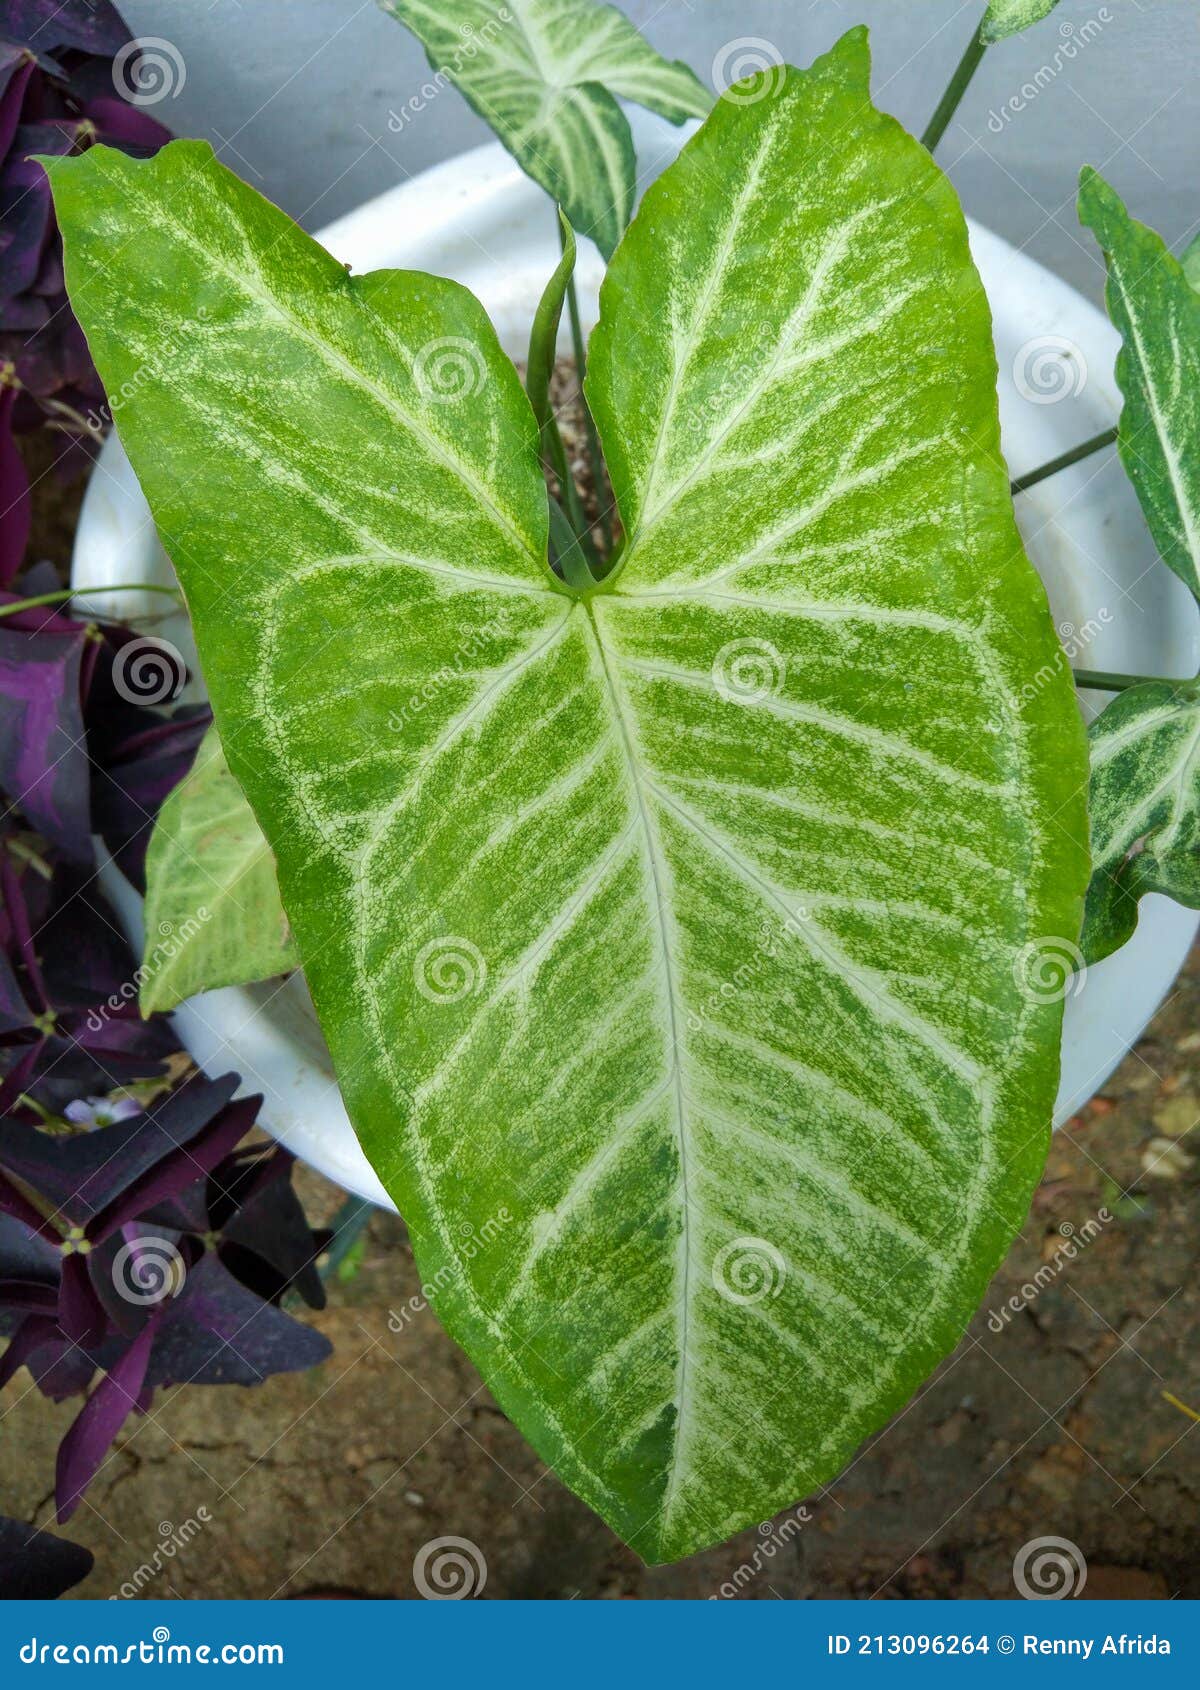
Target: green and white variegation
x=213, y=915
x=678, y=942
x=1010, y=17
x=1157, y=312
x=1191, y=264
x=546, y=74
x=1145, y=808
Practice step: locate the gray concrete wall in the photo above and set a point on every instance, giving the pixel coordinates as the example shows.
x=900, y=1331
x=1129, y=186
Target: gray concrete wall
x=296, y=95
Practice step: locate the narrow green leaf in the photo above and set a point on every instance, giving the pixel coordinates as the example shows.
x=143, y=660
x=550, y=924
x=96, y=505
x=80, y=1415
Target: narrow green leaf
x=1157, y=313
x=680, y=953
x=1145, y=808
x=1010, y=17
x=546, y=75
x=213, y=915
x=543, y=337
x=575, y=551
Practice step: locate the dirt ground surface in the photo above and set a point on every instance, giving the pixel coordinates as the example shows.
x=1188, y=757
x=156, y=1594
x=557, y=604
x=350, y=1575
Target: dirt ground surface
x=1053, y=1421
x=1068, y=1412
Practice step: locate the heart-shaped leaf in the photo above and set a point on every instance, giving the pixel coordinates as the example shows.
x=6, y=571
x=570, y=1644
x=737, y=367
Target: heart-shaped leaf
x=213, y=915
x=1010, y=17
x=678, y=944
x=1145, y=808
x=1157, y=312
x=546, y=75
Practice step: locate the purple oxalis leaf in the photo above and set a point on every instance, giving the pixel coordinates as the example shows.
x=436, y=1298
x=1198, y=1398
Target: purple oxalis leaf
x=37, y=1566
x=43, y=756
x=219, y=1333
x=15, y=514
x=82, y=1451
x=97, y=1179
x=52, y=26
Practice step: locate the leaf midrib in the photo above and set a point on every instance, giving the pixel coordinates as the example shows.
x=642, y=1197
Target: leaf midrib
x=687, y=1246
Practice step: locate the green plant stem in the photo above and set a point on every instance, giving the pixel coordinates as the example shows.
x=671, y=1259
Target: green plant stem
x=568, y=551
x=65, y=593
x=1104, y=681
x=552, y=440
x=593, y=439
x=1096, y=444
x=949, y=102
x=347, y=1226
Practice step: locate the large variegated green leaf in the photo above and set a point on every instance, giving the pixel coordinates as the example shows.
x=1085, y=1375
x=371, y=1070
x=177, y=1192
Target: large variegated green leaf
x=1145, y=808
x=678, y=944
x=213, y=915
x=1157, y=312
x=1009, y=17
x=545, y=75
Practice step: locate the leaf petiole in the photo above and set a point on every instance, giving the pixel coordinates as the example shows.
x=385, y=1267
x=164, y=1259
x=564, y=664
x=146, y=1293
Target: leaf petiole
x=567, y=550
x=64, y=593
x=1076, y=455
x=1103, y=680
x=957, y=87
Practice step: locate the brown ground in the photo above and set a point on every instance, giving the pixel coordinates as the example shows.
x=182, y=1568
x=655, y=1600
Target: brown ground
x=1060, y=1424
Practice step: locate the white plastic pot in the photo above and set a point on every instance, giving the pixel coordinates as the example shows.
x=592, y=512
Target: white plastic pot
x=480, y=220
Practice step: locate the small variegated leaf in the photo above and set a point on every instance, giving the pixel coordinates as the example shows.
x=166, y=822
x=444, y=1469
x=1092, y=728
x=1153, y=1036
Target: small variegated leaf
x=1191, y=263
x=213, y=915
x=1157, y=312
x=677, y=942
x=546, y=76
x=1010, y=17
x=1145, y=808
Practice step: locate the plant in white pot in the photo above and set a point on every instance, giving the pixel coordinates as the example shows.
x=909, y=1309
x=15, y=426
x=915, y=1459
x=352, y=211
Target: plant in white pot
x=678, y=915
